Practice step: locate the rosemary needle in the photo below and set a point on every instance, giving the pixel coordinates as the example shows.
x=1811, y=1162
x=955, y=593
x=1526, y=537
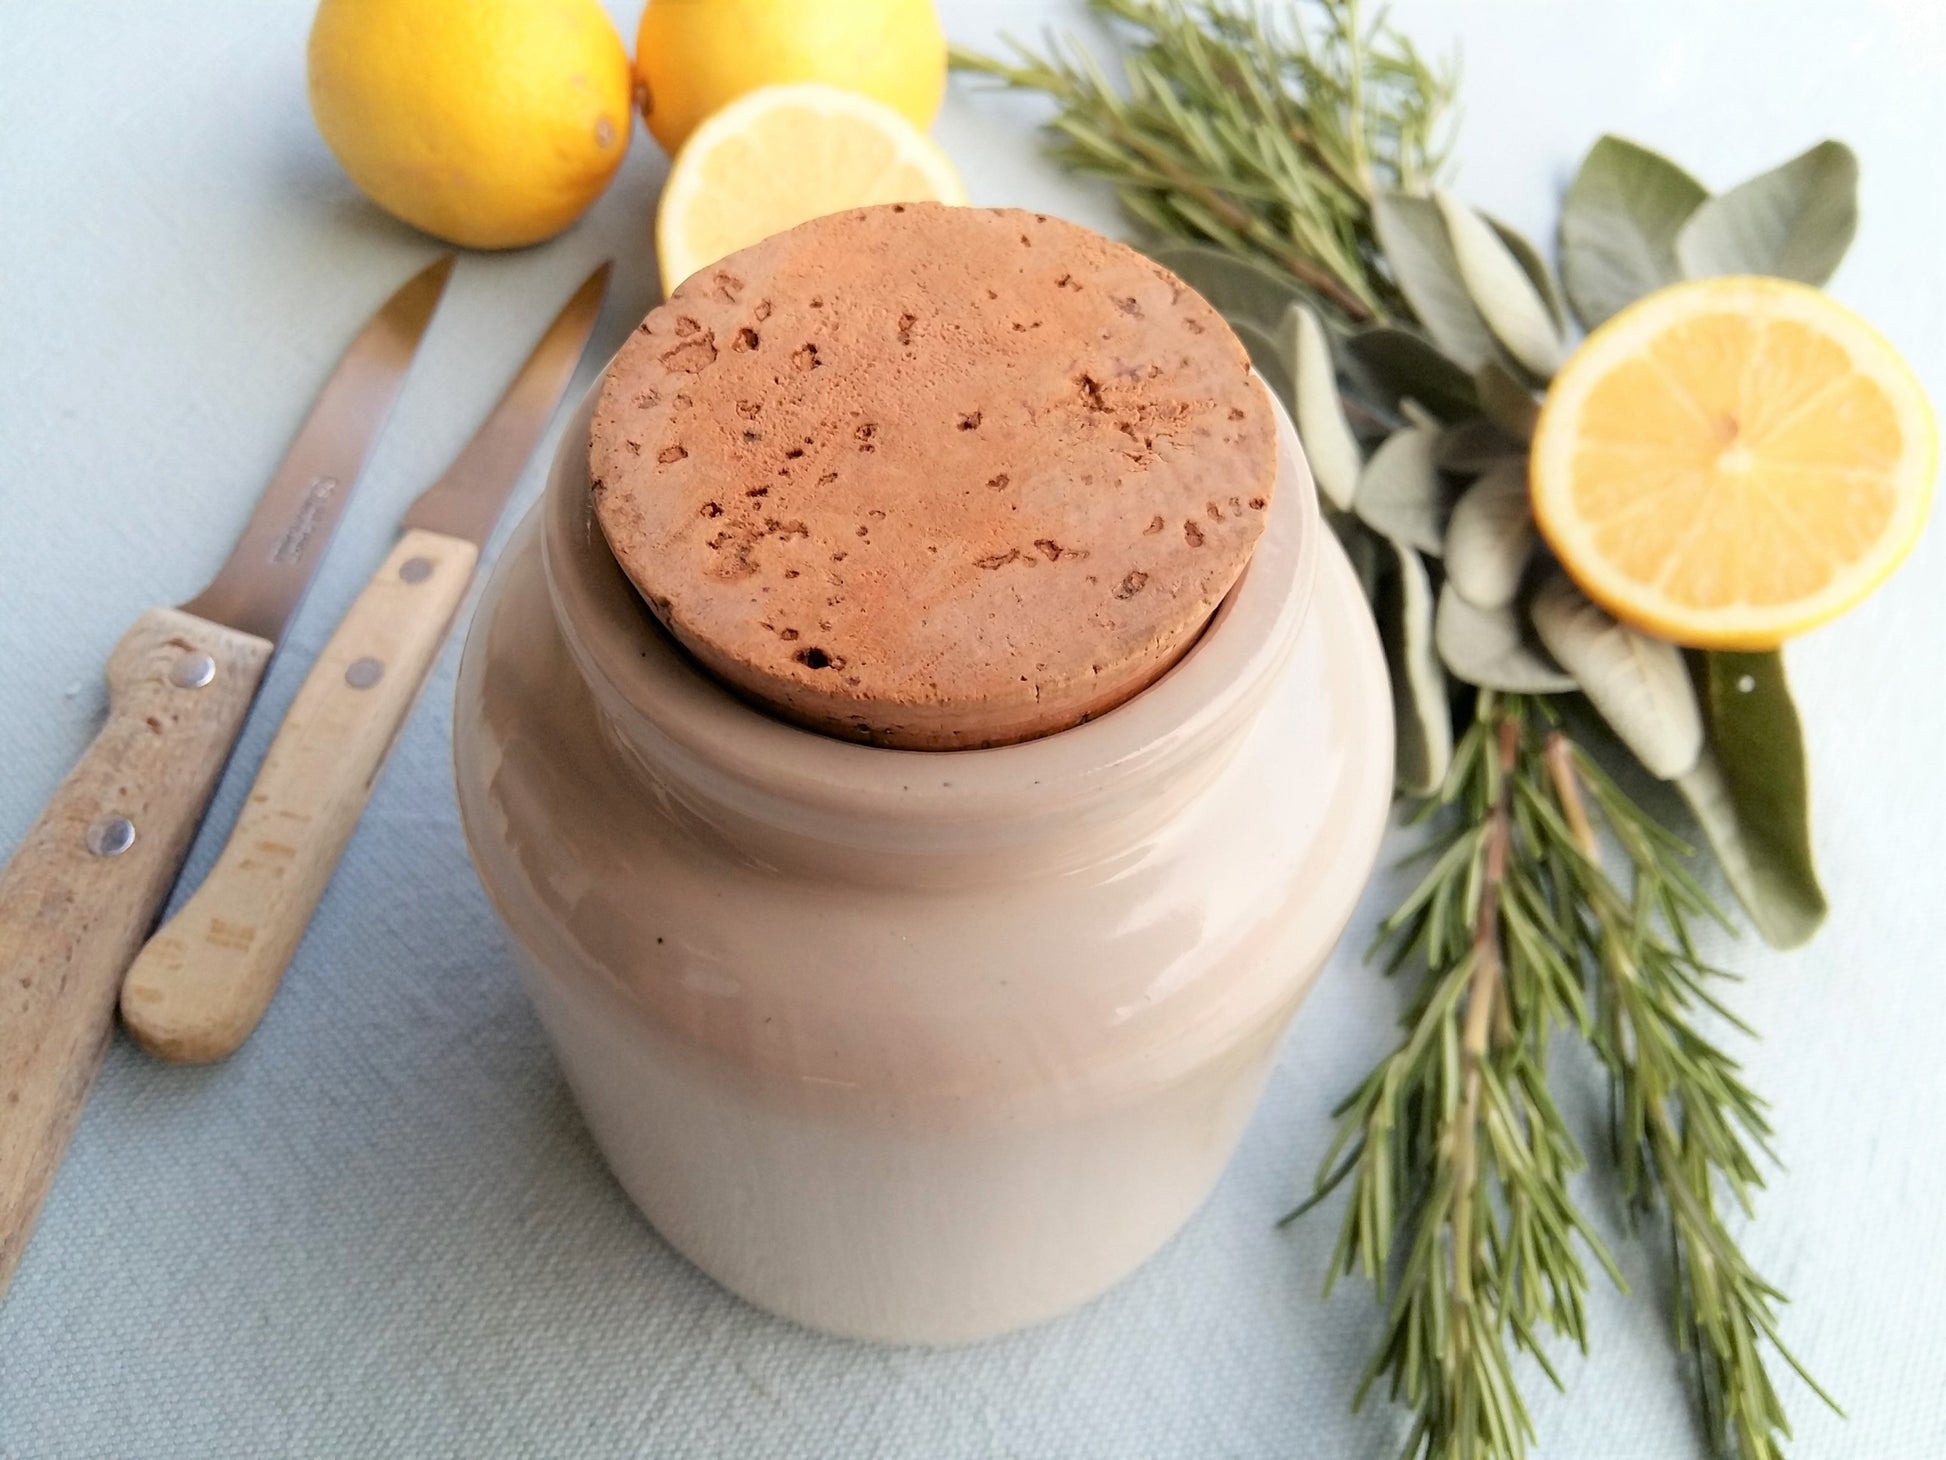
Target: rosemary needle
x=1264, y=137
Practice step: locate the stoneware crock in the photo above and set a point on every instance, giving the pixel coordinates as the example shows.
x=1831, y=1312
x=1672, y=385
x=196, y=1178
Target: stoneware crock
x=917, y=1046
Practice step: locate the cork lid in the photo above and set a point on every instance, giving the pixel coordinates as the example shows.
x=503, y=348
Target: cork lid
x=933, y=477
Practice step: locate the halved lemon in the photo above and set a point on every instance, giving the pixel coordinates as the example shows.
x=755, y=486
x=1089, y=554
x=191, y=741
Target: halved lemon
x=782, y=155
x=1729, y=462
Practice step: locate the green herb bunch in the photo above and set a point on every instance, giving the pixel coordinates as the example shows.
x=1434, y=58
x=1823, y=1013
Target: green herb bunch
x=1263, y=138
x=1286, y=166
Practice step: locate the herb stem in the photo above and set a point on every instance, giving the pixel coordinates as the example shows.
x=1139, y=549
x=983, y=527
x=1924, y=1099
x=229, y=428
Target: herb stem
x=1482, y=989
x=1558, y=755
x=1684, y=1100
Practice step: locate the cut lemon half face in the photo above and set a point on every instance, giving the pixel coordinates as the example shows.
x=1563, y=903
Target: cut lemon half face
x=782, y=155
x=1729, y=462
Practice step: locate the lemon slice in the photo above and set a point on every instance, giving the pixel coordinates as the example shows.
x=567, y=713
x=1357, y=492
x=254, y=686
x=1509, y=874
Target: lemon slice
x=1732, y=461
x=782, y=155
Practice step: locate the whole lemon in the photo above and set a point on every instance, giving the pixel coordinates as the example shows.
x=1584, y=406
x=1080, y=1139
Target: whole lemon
x=488, y=123
x=694, y=56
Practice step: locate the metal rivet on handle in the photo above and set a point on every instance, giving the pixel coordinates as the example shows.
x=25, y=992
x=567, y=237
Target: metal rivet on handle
x=416, y=570
x=364, y=673
x=110, y=836
x=192, y=671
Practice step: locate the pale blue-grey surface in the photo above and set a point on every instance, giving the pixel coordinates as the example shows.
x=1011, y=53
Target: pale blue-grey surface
x=380, y=1230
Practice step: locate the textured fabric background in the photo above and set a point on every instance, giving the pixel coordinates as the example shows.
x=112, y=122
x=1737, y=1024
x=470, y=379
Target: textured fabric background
x=381, y=1230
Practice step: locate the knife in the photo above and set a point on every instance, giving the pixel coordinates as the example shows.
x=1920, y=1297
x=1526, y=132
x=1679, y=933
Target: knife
x=85, y=885
x=205, y=979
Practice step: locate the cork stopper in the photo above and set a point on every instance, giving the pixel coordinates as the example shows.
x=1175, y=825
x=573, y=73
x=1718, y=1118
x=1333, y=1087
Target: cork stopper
x=932, y=477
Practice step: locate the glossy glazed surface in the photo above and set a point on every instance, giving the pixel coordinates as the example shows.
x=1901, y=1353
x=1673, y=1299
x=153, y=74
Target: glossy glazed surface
x=918, y=1046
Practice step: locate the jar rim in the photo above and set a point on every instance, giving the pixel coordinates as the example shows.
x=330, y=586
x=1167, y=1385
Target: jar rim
x=672, y=710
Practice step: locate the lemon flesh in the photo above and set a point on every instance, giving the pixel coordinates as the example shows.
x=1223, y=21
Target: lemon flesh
x=1730, y=462
x=781, y=156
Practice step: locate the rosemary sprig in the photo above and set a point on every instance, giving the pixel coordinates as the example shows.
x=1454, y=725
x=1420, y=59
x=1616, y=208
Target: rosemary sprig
x=1683, y=1122
x=1257, y=133
x=1457, y=1157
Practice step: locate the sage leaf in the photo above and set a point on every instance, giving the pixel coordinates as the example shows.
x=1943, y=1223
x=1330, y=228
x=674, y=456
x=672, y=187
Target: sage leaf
x=1320, y=413
x=1795, y=221
x=1505, y=401
x=1491, y=537
x=1400, y=493
x=1514, y=311
x=1750, y=793
x=1269, y=354
x=1368, y=552
x=1417, y=415
x=1237, y=288
x=1619, y=226
x=1421, y=712
x=1414, y=242
x=1532, y=265
x=1489, y=647
x=1406, y=367
x=1475, y=446
x=1639, y=684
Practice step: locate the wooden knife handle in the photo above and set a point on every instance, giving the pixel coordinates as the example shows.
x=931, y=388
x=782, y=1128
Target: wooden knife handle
x=84, y=887
x=206, y=977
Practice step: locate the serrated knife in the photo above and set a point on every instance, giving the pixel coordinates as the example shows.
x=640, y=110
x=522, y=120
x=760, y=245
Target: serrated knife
x=205, y=979
x=84, y=886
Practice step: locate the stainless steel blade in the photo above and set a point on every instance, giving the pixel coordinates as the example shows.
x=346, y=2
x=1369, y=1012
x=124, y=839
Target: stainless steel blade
x=260, y=583
x=466, y=500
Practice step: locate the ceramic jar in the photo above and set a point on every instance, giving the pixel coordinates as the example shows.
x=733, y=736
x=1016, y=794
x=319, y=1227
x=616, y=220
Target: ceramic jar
x=917, y=1046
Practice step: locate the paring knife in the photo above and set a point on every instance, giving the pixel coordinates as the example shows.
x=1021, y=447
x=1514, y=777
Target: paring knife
x=84, y=887
x=205, y=979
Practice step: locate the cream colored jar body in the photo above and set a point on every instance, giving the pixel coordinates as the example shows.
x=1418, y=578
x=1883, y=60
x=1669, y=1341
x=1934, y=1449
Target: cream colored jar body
x=918, y=1047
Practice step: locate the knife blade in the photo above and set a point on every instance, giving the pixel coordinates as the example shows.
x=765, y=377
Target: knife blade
x=259, y=585
x=85, y=884
x=201, y=985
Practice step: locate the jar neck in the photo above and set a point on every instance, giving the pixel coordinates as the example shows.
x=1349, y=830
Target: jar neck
x=780, y=795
